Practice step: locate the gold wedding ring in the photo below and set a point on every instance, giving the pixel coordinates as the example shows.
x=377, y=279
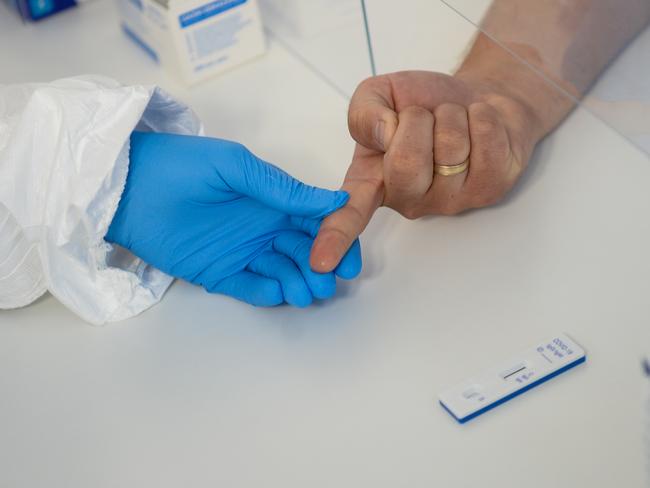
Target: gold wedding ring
x=451, y=170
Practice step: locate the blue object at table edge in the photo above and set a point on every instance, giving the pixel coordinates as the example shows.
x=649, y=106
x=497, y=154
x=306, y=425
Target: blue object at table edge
x=36, y=10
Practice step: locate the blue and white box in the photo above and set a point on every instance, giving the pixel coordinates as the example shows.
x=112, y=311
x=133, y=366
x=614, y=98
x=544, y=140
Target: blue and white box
x=195, y=39
x=40, y=9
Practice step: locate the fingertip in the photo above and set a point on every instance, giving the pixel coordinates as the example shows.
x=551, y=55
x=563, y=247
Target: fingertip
x=351, y=264
x=267, y=294
x=323, y=258
x=326, y=286
x=299, y=297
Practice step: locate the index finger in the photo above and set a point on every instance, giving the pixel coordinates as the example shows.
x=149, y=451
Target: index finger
x=364, y=183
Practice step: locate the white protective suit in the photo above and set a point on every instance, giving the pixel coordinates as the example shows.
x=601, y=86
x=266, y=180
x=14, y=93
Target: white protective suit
x=64, y=157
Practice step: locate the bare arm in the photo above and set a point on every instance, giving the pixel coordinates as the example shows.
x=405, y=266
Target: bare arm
x=568, y=42
x=487, y=118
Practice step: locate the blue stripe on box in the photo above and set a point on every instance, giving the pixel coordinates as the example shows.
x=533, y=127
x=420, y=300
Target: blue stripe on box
x=208, y=10
x=138, y=40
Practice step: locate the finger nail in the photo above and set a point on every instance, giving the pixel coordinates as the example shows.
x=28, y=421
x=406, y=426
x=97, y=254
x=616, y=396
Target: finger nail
x=379, y=133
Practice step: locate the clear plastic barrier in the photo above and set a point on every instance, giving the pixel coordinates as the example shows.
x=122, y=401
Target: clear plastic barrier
x=327, y=35
x=409, y=37
x=596, y=52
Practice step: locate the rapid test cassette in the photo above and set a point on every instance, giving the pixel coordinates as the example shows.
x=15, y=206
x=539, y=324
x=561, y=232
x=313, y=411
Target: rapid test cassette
x=497, y=385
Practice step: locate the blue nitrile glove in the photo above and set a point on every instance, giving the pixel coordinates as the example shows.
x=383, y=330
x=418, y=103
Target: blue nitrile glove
x=210, y=212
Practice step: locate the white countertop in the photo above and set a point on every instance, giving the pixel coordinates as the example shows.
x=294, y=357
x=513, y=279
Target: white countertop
x=205, y=391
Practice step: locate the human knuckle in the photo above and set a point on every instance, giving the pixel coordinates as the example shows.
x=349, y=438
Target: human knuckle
x=450, y=208
x=367, y=83
x=489, y=181
x=478, y=108
x=495, y=199
x=483, y=119
x=411, y=213
x=484, y=126
x=372, y=185
x=494, y=167
x=356, y=217
x=403, y=206
x=418, y=112
x=452, y=141
x=358, y=119
x=398, y=188
x=449, y=109
x=499, y=149
x=404, y=158
x=364, y=87
x=404, y=185
x=488, y=197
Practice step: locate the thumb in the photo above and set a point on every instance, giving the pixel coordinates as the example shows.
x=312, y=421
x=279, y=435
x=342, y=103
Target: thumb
x=371, y=118
x=271, y=186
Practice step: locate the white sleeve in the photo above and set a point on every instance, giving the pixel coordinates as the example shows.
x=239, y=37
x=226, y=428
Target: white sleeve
x=64, y=157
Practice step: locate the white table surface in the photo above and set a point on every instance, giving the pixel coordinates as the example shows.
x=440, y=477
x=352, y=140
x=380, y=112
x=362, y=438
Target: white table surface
x=202, y=391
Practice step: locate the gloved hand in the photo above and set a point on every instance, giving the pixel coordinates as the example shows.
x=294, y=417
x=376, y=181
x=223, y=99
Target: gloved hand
x=210, y=212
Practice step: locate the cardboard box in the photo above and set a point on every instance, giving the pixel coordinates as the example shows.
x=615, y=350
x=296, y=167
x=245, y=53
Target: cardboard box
x=195, y=39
